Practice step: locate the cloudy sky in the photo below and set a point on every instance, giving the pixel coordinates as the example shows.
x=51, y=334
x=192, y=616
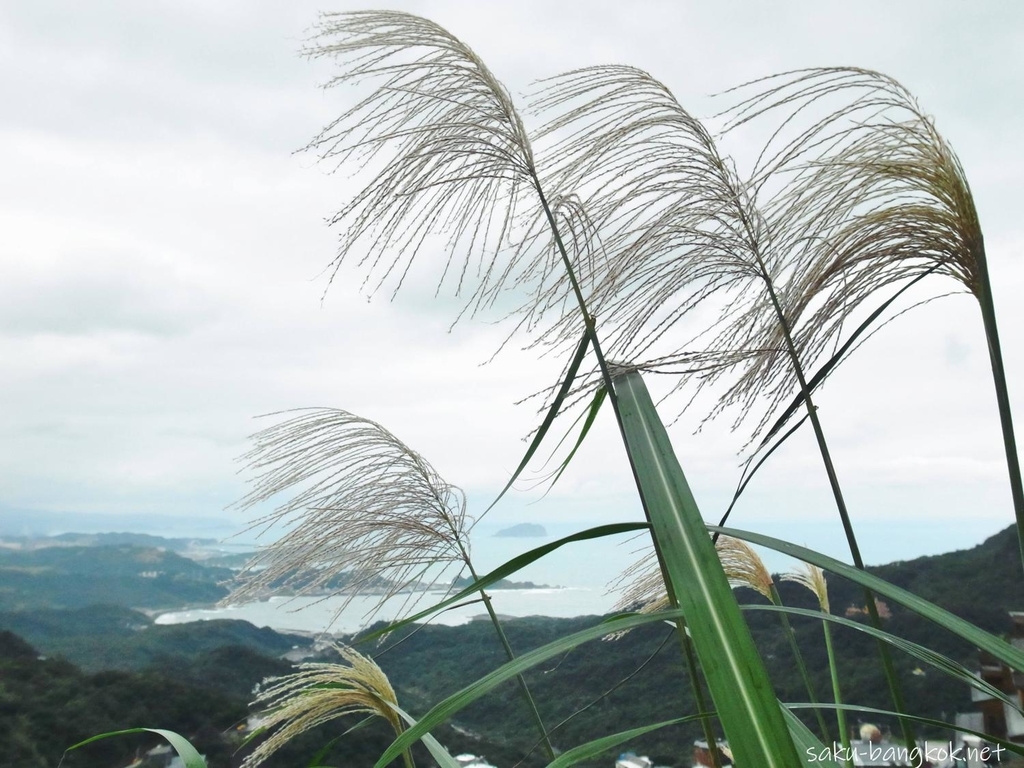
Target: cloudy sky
x=163, y=248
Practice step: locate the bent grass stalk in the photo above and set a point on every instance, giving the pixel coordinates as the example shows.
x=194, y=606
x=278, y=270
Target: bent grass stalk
x=813, y=578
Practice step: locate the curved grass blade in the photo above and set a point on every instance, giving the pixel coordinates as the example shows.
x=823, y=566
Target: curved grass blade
x=812, y=751
x=461, y=699
x=556, y=406
x=1013, y=657
x=933, y=658
x=603, y=744
x=748, y=476
x=942, y=724
x=188, y=754
x=595, y=406
x=747, y=708
x=508, y=568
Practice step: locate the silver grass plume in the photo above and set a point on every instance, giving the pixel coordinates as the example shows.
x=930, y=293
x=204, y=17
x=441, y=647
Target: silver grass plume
x=362, y=506
x=317, y=693
x=866, y=197
x=677, y=225
x=813, y=578
x=447, y=151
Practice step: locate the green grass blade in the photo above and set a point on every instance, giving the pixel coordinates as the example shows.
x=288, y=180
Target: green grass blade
x=603, y=744
x=595, y=406
x=934, y=659
x=188, y=754
x=556, y=406
x=439, y=753
x=508, y=568
x=812, y=752
x=736, y=678
x=748, y=476
x=1013, y=657
x=995, y=355
x=1009, y=746
x=463, y=698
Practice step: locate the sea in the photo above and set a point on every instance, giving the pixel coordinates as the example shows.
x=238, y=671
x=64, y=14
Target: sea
x=315, y=615
x=575, y=580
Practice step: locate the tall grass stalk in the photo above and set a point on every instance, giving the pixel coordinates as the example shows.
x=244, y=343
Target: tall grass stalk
x=813, y=578
x=701, y=226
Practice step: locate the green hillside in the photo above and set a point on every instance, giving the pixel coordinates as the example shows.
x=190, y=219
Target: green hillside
x=126, y=575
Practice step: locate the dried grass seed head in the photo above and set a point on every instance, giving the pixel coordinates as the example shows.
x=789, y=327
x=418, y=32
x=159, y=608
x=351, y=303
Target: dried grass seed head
x=643, y=588
x=317, y=693
x=862, y=194
x=446, y=149
x=364, y=510
x=812, y=577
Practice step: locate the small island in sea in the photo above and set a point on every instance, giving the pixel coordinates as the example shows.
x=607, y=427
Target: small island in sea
x=523, y=531
x=464, y=581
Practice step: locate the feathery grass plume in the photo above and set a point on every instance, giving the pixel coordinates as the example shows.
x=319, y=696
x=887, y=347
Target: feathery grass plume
x=448, y=152
x=744, y=566
x=813, y=578
x=676, y=225
x=869, y=195
x=370, y=515
x=318, y=693
x=644, y=591
x=366, y=511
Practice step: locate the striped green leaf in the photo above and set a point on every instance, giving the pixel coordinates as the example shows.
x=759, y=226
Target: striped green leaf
x=813, y=753
x=188, y=754
x=747, y=708
x=935, y=659
x=461, y=699
x=603, y=744
x=439, y=753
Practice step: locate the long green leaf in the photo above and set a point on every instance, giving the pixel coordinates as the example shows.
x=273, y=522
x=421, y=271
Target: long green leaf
x=603, y=744
x=508, y=568
x=188, y=754
x=941, y=724
x=439, y=753
x=747, y=708
x=812, y=751
x=556, y=406
x=1013, y=657
x=943, y=663
x=595, y=407
x=463, y=698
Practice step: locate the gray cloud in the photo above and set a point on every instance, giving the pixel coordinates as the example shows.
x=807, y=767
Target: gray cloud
x=161, y=250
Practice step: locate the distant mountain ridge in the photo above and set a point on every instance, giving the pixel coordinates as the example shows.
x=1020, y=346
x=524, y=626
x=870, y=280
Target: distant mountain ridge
x=132, y=576
x=523, y=531
x=107, y=540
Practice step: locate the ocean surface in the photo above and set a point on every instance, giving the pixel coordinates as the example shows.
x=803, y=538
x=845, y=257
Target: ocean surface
x=320, y=614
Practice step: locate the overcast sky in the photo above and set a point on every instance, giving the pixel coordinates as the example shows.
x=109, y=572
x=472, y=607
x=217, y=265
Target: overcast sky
x=162, y=252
